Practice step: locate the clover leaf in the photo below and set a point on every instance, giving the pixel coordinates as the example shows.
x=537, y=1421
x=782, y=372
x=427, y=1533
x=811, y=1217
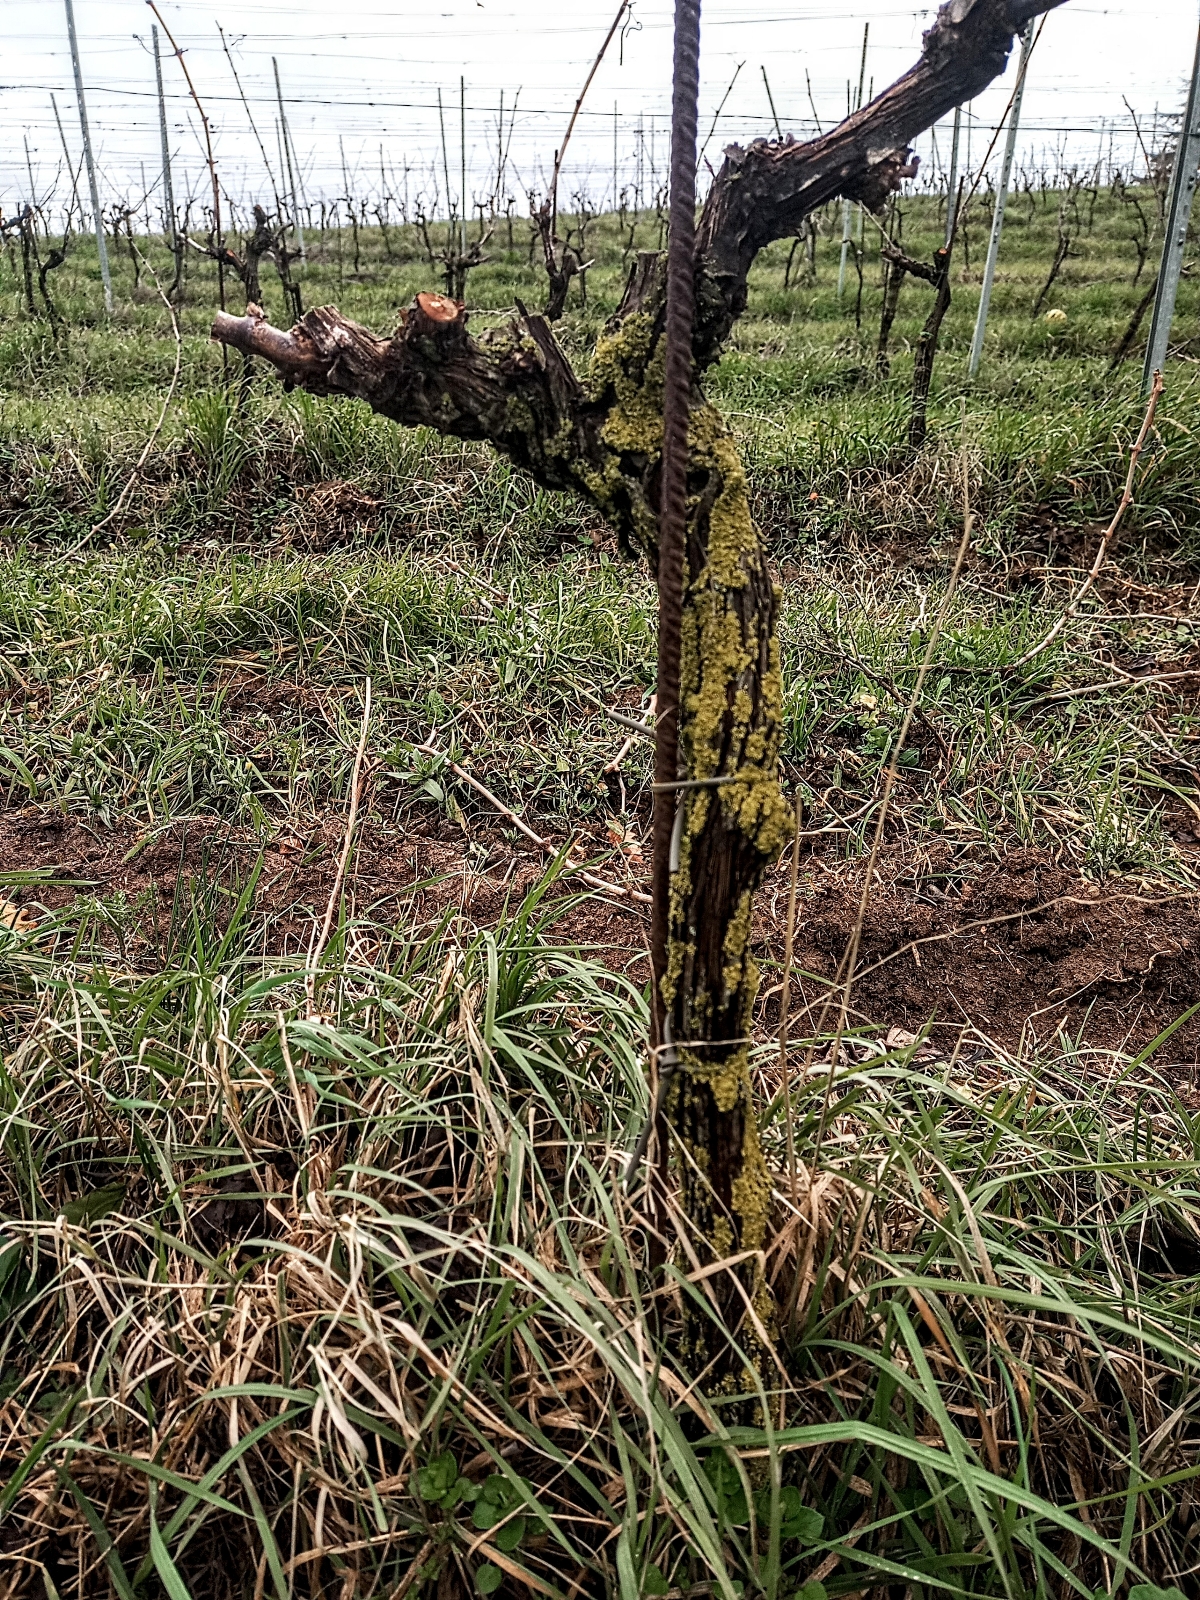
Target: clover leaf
x=439, y=1483
x=510, y=1535
x=796, y=1520
x=497, y=1499
x=731, y=1497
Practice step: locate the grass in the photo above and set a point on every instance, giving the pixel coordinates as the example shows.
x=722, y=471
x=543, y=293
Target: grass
x=321, y=1281
x=421, y=1269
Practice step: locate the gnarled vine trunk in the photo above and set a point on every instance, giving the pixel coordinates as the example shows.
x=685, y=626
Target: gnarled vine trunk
x=601, y=436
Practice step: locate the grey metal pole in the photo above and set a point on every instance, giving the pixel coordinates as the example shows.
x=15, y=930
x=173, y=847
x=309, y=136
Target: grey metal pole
x=290, y=144
x=1183, y=190
x=462, y=130
x=952, y=191
x=168, y=189
x=97, y=218
x=1010, y=145
x=847, y=215
x=72, y=170
x=287, y=150
x=616, y=125
x=846, y=234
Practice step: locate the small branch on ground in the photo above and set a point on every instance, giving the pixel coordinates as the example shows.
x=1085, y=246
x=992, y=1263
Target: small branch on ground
x=570, y=865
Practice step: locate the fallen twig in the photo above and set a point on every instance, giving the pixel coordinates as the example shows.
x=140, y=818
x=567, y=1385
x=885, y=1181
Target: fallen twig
x=1129, y=682
x=570, y=864
x=636, y=729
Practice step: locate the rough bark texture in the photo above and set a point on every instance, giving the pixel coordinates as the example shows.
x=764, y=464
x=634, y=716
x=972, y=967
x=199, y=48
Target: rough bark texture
x=601, y=436
x=927, y=343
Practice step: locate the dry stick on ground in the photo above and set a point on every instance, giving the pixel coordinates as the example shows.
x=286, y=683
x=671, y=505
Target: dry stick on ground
x=162, y=415
x=636, y=730
x=318, y=950
x=570, y=865
x=599, y=435
x=1109, y=534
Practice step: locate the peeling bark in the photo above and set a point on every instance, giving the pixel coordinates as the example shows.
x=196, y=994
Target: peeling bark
x=601, y=436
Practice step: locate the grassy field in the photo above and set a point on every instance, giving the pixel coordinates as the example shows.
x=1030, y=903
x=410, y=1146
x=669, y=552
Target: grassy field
x=319, y=1075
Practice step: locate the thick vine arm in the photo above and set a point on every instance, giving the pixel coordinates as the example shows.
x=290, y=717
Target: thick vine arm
x=512, y=386
x=765, y=191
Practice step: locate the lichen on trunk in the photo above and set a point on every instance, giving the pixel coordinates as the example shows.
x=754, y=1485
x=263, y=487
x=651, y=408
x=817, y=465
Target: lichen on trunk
x=732, y=819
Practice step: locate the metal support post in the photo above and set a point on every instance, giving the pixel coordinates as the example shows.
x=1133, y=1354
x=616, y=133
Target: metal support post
x=847, y=218
x=952, y=190
x=846, y=232
x=1183, y=190
x=291, y=171
x=168, y=189
x=1010, y=145
x=462, y=129
x=97, y=218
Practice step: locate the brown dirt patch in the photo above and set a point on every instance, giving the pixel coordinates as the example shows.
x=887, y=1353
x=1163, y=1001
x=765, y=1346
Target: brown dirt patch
x=1012, y=949
x=1015, y=948
x=409, y=869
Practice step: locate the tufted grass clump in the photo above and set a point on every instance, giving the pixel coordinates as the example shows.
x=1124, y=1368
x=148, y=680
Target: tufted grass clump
x=337, y=1289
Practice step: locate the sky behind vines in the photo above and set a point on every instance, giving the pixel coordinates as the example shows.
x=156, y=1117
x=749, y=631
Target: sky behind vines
x=367, y=72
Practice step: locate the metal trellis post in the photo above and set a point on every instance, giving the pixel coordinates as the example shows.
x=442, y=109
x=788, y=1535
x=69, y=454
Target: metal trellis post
x=168, y=190
x=952, y=189
x=847, y=221
x=1183, y=190
x=1010, y=145
x=97, y=218
x=291, y=171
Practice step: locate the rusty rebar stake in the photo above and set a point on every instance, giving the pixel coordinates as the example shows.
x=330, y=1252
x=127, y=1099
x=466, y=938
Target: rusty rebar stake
x=672, y=517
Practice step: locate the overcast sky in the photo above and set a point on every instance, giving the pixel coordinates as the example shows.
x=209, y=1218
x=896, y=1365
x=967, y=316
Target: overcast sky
x=368, y=72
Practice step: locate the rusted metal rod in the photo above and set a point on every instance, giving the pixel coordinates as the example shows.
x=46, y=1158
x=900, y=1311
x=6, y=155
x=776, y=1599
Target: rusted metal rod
x=672, y=519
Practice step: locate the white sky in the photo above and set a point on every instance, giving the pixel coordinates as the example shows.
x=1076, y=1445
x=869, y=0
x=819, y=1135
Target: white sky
x=369, y=71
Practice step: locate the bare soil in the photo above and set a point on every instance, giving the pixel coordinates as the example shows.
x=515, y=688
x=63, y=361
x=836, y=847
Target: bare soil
x=1010, y=950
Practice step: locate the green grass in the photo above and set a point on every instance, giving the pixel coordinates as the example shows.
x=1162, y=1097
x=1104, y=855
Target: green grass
x=421, y=1262
x=284, y=1254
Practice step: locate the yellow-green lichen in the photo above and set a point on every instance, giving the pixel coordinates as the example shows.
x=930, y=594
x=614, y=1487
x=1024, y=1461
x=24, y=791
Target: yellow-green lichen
x=727, y=1080
x=720, y=655
x=737, y=936
x=733, y=544
x=751, y=1197
x=722, y=1238
x=628, y=362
